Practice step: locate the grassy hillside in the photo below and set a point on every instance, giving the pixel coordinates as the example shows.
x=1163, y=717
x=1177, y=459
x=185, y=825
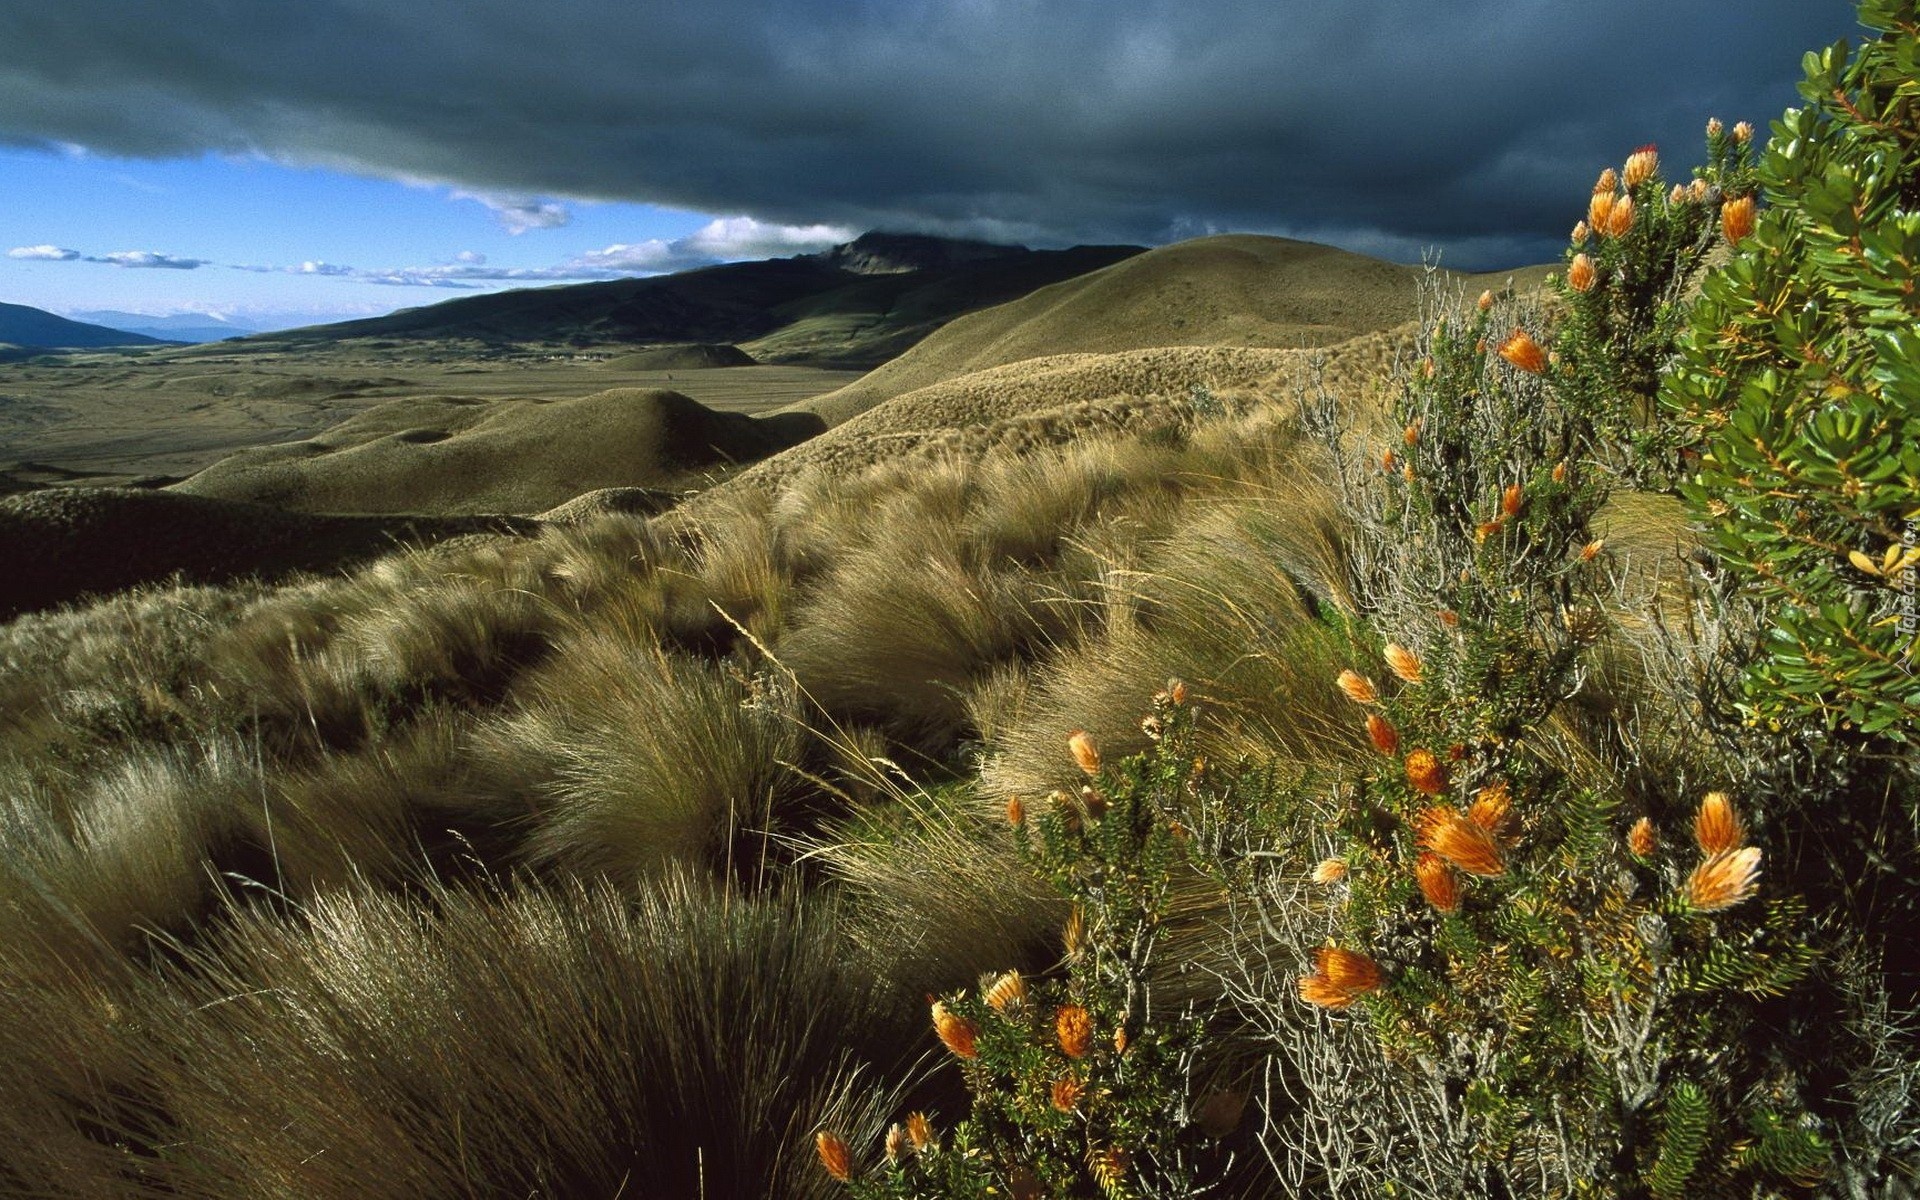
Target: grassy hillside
x=1237, y=290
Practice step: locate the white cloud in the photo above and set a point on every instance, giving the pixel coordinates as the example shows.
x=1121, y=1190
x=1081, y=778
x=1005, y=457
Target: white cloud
x=470, y=256
x=48, y=253
x=518, y=214
x=728, y=239
x=148, y=258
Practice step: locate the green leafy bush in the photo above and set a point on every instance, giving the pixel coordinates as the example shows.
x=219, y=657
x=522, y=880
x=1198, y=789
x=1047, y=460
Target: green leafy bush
x=1800, y=378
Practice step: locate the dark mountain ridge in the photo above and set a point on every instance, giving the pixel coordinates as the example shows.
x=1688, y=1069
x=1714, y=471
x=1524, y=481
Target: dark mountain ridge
x=36, y=328
x=856, y=305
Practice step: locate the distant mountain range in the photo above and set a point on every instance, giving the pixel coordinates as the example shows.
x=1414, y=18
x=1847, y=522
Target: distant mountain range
x=38, y=329
x=856, y=305
x=180, y=327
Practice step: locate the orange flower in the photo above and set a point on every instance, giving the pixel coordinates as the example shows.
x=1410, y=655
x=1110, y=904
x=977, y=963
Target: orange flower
x=1411, y=434
x=1598, y=209
x=1177, y=690
x=1580, y=273
x=1348, y=970
x=1641, y=839
x=1388, y=462
x=1560, y=471
x=1317, y=991
x=1592, y=549
x=1008, y=993
x=1492, y=808
x=1486, y=301
x=1461, y=842
x=835, y=1155
x=1425, y=774
x=1510, y=501
x=1714, y=127
x=1619, y=218
x=1736, y=219
x=1725, y=880
x=1438, y=883
x=1330, y=870
x=1074, y=1027
x=1523, y=352
x=1385, y=738
x=1450, y=618
x=1743, y=132
x=1606, y=183
x=1358, y=687
x=1678, y=196
x=1065, y=1093
x=1716, y=827
x=1016, y=811
x=920, y=1130
x=1641, y=165
x=1579, y=232
x=1402, y=662
x=1697, y=191
x=956, y=1032
x=897, y=1143
x=1085, y=753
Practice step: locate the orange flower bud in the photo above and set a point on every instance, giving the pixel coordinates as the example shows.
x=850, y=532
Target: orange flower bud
x=1592, y=549
x=1317, y=991
x=1425, y=774
x=897, y=1143
x=1450, y=618
x=1385, y=738
x=1560, y=471
x=1714, y=127
x=1736, y=219
x=1485, y=301
x=1358, y=687
x=1461, y=842
x=920, y=1131
x=956, y=1033
x=1619, y=218
x=1016, y=811
x=1677, y=196
x=1085, y=752
x=1007, y=993
x=1402, y=662
x=1641, y=839
x=1580, y=232
x=1330, y=871
x=1510, y=501
x=1492, y=808
x=1607, y=182
x=1598, y=210
x=1580, y=273
x=1074, y=1027
x=1347, y=970
x=1411, y=434
x=1641, y=165
x=835, y=1155
x=1716, y=827
x=1177, y=690
x=1406, y=472
x=1065, y=1093
x=1725, y=880
x=1743, y=132
x=1697, y=191
x=1523, y=352
x=1438, y=883
x=1388, y=462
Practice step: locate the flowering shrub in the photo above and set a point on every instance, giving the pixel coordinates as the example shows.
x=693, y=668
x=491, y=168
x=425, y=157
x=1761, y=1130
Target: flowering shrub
x=1083, y=1084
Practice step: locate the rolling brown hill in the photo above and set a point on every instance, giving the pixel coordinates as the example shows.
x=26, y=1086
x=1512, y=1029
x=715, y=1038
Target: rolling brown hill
x=1236, y=290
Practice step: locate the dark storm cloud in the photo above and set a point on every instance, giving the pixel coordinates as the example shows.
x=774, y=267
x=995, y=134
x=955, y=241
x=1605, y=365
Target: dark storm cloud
x=1388, y=125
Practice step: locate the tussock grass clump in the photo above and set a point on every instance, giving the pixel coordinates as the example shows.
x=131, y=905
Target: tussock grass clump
x=631, y=757
x=574, y=1040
